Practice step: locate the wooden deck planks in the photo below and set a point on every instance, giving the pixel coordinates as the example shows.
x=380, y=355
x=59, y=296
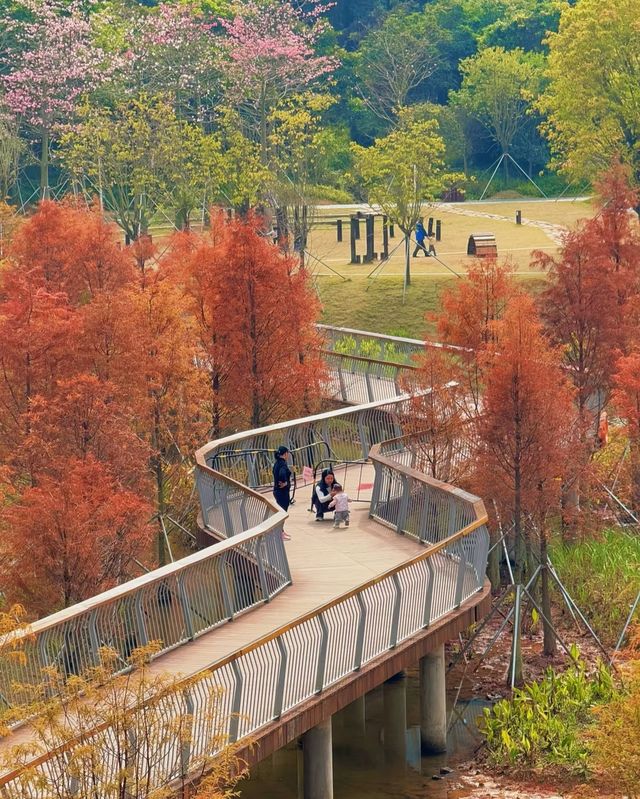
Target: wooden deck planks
x=325, y=563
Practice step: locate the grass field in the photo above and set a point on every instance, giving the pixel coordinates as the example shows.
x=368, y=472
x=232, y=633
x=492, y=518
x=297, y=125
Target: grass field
x=351, y=298
x=376, y=303
x=513, y=240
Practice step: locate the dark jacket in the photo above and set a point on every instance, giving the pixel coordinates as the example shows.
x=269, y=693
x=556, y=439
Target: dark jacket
x=281, y=474
x=421, y=233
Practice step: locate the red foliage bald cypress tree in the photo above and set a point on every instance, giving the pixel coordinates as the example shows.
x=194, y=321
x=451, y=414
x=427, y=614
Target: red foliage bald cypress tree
x=525, y=431
x=67, y=539
x=71, y=249
x=256, y=312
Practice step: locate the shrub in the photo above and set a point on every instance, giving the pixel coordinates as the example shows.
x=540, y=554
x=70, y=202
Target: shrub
x=542, y=724
x=603, y=577
x=614, y=740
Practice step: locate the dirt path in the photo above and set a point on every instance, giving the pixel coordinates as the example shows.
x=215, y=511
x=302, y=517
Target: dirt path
x=554, y=232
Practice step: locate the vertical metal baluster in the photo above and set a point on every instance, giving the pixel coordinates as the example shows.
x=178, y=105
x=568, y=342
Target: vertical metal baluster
x=185, y=750
x=322, y=653
x=226, y=514
x=367, y=380
x=141, y=624
x=186, y=608
x=243, y=514
x=461, y=570
x=377, y=485
x=428, y=600
x=423, y=519
x=93, y=637
x=343, y=388
x=404, y=504
x=362, y=622
x=363, y=437
x=282, y=674
x=395, y=616
x=229, y=605
x=236, y=702
x=261, y=572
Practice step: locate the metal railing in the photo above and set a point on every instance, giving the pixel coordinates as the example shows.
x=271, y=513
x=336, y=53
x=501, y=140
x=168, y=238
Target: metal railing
x=377, y=346
x=343, y=435
x=358, y=380
x=447, y=458
x=285, y=668
x=173, y=604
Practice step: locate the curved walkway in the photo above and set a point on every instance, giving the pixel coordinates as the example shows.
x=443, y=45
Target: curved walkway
x=275, y=625
x=553, y=231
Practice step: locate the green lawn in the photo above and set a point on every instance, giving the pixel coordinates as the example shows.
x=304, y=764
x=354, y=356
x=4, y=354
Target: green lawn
x=377, y=305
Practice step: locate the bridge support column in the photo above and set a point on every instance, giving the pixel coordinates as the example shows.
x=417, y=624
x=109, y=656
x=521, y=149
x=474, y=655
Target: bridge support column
x=300, y=756
x=394, y=694
x=317, y=748
x=433, y=702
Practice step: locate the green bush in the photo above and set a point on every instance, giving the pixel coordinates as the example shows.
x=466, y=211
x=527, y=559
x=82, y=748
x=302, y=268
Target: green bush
x=329, y=194
x=552, y=185
x=543, y=723
x=603, y=577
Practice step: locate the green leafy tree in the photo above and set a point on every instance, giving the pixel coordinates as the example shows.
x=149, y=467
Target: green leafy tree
x=295, y=145
x=12, y=148
x=591, y=102
x=520, y=23
x=498, y=89
x=393, y=61
x=139, y=156
x=244, y=177
x=400, y=172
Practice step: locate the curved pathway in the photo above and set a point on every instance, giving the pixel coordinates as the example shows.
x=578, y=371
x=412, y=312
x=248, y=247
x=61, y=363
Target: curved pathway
x=555, y=232
x=287, y=632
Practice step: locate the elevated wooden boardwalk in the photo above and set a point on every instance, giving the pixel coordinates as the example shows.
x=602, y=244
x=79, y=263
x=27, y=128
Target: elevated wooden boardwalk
x=289, y=631
x=325, y=564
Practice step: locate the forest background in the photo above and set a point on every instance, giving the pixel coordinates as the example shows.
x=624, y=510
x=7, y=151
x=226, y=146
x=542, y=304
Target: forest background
x=161, y=110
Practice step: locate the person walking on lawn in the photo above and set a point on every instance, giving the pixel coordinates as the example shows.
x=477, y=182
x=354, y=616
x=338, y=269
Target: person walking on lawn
x=421, y=235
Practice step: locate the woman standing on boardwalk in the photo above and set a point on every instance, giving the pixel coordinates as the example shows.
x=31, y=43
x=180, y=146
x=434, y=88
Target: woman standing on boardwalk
x=282, y=481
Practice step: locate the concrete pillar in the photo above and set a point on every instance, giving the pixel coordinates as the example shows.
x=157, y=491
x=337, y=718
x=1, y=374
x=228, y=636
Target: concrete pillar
x=318, y=762
x=433, y=702
x=300, y=756
x=353, y=717
x=394, y=694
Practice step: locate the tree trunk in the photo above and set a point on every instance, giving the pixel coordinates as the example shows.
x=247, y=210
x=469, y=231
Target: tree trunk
x=549, y=646
x=493, y=564
x=44, y=166
x=407, y=256
x=520, y=554
x=256, y=410
x=159, y=475
x=634, y=458
x=215, y=404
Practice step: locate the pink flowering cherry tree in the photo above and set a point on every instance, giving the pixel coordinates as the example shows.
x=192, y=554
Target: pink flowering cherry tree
x=172, y=51
x=269, y=53
x=53, y=64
